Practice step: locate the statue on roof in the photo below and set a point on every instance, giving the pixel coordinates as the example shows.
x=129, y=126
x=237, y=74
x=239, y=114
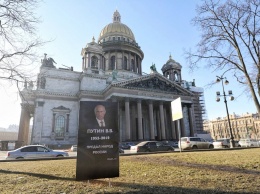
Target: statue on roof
x=153, y=68
x=47, y=62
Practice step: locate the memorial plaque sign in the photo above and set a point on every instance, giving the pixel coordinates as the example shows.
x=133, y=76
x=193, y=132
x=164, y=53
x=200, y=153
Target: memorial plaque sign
x=98, y=138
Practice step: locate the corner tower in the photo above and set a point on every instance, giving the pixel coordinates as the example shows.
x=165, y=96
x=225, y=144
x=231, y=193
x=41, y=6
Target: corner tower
x=172, y=70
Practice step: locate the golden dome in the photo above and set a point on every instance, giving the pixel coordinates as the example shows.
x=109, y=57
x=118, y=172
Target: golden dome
x=116, y=29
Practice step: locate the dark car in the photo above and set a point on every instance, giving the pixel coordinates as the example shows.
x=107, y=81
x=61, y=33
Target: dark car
x=151, y=146
x=173, y=143
x=126, y=145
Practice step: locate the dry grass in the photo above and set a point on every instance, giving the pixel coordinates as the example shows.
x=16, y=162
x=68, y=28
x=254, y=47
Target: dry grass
x=229, y=171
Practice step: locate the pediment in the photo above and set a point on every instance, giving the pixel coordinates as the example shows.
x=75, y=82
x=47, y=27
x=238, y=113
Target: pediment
x=155, y=83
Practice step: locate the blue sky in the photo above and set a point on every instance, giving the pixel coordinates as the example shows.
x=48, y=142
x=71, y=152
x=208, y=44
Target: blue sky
x=161, y=28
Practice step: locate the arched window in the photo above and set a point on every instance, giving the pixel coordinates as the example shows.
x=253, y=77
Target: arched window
x=125, y=63
x=137, y=68
x=94, y=62
x=104, y=64
x=60, y=123
x=112, y=63
x=60, y=126
x=132, y=64
x=176, y=76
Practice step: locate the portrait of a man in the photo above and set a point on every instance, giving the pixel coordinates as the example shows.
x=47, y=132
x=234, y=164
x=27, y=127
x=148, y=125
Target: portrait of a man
x=99, y=116
x=100, y=112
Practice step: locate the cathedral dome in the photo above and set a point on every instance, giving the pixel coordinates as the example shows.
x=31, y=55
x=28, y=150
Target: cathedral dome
x=116, y=29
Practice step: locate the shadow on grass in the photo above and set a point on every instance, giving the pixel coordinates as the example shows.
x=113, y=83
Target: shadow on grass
x=127, y=187
x=141, y=189
x=223, y=168
x=45, y=176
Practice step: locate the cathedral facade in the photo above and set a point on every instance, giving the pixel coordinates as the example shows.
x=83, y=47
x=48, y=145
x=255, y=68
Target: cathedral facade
x=111, y=71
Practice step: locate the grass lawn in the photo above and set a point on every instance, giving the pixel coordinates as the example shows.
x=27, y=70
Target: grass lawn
x=227, y=171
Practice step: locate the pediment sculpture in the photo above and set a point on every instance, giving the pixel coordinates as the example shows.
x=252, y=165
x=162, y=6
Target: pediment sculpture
x=154, y=84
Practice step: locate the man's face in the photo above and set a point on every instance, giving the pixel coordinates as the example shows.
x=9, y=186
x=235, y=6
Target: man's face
x=100, y=112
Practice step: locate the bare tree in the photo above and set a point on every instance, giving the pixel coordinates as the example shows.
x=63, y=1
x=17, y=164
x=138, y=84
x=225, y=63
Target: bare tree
x=18, y=39
x=230, y=32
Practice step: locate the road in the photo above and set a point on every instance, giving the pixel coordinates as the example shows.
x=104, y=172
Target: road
x=2, y=155
x=73, y=154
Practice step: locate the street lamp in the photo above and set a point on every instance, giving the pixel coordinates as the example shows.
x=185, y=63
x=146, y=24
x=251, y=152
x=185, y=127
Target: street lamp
x=232, y=143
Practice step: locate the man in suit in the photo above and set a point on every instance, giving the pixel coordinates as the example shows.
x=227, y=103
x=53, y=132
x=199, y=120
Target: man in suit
x=100, y=112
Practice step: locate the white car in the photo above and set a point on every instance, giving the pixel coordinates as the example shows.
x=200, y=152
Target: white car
x=224, y=143
x=73, y=148
x=248, y=143
x=35, y=151
x=194, y=143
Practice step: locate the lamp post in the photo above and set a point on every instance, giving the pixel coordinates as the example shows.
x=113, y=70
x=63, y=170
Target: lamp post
x=232, y=144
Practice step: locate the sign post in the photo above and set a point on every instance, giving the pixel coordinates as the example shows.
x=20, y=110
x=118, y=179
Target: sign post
x=177, y=115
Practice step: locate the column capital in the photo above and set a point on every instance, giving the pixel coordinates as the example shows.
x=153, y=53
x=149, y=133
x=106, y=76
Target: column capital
x=150, y=101
x=114, y=99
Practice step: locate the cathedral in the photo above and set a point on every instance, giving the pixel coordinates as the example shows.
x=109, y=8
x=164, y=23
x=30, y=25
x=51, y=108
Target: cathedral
x=111, y=71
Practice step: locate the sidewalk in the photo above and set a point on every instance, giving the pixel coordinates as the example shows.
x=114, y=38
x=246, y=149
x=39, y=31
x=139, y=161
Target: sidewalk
x=2, y=155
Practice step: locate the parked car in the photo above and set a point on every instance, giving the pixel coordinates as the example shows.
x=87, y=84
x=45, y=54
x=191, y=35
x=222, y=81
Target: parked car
x=73, y=148
x=248, y=143
x=151, y=146
x=173, y=143
x=187, y=143
x=35, y=151
x=121, y=151
x=224, y=143
x=126, y=145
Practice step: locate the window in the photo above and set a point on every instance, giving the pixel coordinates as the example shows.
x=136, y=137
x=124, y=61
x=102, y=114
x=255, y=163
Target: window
x=60, y=126
x=176, y=76
x=132, y=65
x=94, y=62
x=152, y=144
x=42, y=149
x=112, y=63
x=60, y=123
x=125, y=63
x=29, y=149
x=194, y=139
x=167, y=75
x=43, y=82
